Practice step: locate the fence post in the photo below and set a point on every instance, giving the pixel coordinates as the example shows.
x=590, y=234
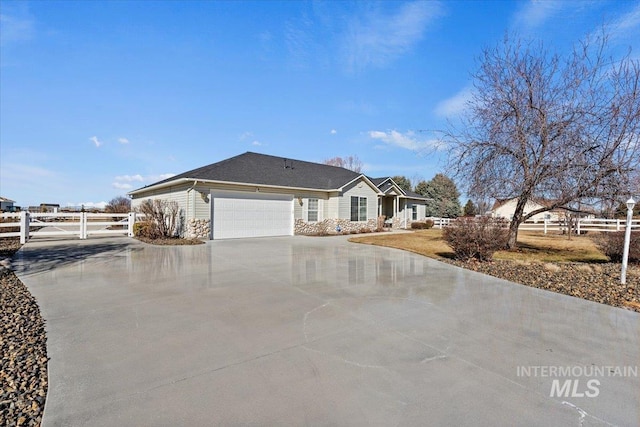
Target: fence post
x=131, y=222
x=24, y=227
x=545, y=225
x=83, y=225
x=617, y=225
x=578, y=226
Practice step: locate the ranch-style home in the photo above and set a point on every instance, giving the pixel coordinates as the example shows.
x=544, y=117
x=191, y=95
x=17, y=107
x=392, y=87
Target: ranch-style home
x=256, y=195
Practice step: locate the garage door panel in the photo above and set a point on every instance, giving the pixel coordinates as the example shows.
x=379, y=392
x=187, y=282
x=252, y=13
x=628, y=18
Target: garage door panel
x=238, y=215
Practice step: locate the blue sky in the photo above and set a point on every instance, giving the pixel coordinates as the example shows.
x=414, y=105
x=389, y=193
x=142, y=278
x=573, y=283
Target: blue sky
x=98, y=98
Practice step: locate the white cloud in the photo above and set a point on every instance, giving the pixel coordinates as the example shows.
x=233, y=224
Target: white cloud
x=333, y=132
x=245, y=136
x=95, y=141
x=15, y=29
x=123, y=140
x=130, y=178
x=256, y=143
x=377, y=39
x=162, y=176
x=535, y=13
x=125, y=182
x=407, y=140
x=122, y=186
x=456, y=104
x=626, y=25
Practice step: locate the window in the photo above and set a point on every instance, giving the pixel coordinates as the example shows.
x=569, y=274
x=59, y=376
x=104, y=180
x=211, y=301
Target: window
x=414, y=212
x=312, y=210
x=358, y=208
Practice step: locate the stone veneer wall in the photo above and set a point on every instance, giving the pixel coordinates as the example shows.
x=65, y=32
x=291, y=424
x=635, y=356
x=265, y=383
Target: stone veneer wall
x=198, y=228
x=328, y=226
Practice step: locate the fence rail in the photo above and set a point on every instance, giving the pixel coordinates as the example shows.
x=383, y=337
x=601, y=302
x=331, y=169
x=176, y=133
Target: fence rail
x=578, y=226
x=82, y=225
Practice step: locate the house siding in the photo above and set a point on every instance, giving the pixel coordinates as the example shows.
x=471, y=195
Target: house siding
x=360, y=189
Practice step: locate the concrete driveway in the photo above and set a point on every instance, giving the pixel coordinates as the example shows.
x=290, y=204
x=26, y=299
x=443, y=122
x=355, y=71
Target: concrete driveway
x=317, y=331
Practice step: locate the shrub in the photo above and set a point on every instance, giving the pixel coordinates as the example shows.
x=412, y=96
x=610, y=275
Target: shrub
x=161, y=218
x=146, y=229
x=476, y=238
x=612, y=245
x=422, y=225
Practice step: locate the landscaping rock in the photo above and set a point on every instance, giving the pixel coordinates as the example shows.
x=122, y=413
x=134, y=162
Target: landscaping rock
x=594, y=282
x=23, y=370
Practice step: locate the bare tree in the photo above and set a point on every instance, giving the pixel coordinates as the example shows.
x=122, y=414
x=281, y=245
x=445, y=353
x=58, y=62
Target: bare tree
x=118, y=204
x=351, y=162
x=562, y=129
x=162, y=216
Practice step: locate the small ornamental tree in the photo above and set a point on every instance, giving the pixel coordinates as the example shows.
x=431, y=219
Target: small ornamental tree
x=162, y=219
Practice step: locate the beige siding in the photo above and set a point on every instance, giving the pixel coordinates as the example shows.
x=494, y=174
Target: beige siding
x=360, y=189
x=177, y=194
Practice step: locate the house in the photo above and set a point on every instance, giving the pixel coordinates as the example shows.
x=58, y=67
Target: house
x=506, y=207
x=6, y=205
x=257, y=195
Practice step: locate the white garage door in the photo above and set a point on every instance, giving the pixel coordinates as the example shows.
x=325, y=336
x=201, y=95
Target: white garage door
x=237, y=214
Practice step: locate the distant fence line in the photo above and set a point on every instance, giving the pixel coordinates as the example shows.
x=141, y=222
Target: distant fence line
x=578, y=225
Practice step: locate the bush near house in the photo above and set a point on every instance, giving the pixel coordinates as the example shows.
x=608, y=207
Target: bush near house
x=476, y=238
x=612, y=245
x=161, y=219
x=422, y=225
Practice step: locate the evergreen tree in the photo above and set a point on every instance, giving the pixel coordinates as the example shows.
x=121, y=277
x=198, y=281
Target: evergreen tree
x=445, y=195
x=470, y=209
x=403, y=182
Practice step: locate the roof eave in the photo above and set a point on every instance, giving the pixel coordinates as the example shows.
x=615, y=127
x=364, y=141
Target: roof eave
x=246, y=184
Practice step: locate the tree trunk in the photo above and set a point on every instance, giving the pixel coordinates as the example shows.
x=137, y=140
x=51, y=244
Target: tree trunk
x=516, y=221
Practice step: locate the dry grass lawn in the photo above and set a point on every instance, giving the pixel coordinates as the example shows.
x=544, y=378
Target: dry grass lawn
x=532, y=247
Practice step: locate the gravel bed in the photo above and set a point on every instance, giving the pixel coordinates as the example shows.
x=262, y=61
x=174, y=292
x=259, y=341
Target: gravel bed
x=594, y=282
x=170, y=241
x=23, y=372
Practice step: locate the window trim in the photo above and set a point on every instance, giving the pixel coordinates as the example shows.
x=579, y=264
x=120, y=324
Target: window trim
x=316, y=210
x=361, y=209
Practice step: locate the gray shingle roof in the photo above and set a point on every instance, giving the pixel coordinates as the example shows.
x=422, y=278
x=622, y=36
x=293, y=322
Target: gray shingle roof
x=411, y=194
x=254, y=168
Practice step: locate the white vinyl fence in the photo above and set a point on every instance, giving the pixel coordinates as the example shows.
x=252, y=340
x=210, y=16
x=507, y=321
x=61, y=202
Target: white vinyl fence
x=578, y=226
x=81, y=225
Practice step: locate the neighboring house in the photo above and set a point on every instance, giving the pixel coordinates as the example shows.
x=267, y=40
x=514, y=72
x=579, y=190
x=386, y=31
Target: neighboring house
x=6, y=205
x=256, y=195
x=49, y=207
x=506, y=208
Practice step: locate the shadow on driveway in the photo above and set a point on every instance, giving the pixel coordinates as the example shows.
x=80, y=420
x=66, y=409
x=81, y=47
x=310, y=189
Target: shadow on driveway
x=40, y=256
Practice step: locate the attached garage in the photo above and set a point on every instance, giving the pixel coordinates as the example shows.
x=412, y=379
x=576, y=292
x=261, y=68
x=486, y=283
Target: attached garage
x=236, y=214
